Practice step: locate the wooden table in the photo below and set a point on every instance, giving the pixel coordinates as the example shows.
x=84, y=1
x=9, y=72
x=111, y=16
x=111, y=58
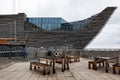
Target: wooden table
x=53, y=59
x=105, y=59
x=75, y=57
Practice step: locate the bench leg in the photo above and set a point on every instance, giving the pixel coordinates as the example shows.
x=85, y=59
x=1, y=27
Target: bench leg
x=50, y=63
x=103, y=63
x=114, y=70
x=75, y=59
x=78, y=59
x=44, y=70
x=99, y=64
x=30, y=66
x=70, y=61
x=108, y=64
x=89, y=65
x=119, y=72
x=48, y=70
x=53, y=67
x=67, y=64
x=47, y=62
x=63, y=65
x=34, y=67
x=94, y=66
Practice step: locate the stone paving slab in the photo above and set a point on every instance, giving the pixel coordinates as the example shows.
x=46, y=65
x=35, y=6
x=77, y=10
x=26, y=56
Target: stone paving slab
x=78, y=71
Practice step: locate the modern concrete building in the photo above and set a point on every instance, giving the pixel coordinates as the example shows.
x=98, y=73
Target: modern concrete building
x=47, y=32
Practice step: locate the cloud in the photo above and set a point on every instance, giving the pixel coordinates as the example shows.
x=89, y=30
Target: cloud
x=68, y=9
x=108, y=38
x=115, y=17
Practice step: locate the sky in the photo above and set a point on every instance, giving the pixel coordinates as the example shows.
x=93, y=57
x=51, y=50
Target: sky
x=71, y=10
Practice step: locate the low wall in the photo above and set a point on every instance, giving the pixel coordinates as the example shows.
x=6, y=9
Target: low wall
x=33, y=52
x=93, y=54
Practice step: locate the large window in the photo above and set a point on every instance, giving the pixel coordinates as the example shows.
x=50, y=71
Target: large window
x=47, y=23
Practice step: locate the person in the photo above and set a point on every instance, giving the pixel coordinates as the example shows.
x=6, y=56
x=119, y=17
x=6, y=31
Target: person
x=49, y=53
x=25, y=53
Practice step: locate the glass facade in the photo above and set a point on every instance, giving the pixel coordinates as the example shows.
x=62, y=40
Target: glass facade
x=47, y=23
x=75, y=25
x=66, y=27
x=57, y=23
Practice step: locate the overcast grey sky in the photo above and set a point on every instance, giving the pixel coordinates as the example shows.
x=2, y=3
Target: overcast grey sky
x=71, y=10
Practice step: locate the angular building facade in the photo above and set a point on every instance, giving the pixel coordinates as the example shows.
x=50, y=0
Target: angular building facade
x=47, y=32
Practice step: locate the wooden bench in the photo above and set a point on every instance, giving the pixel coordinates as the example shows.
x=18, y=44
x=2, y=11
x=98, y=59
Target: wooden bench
x=94, y=63
x=116, y=66
x=46, y=61
x=75, y=58
x=45, y=67
x=65, y=63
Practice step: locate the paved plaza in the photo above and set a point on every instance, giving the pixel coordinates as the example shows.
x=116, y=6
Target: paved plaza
x=78, y=71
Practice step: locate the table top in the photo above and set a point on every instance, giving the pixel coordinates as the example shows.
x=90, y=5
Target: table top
x=106, y=58
x=51, y=57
